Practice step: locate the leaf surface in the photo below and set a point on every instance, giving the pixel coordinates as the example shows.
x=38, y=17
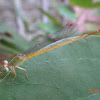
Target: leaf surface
x=65, y=73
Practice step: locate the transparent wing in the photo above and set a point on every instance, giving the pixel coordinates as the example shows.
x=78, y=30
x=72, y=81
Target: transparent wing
x=62, y=33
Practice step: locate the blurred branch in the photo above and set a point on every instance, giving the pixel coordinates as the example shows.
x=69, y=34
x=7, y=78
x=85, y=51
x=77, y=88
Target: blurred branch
x=23, y=25
x=17, y=4
x=45, y=8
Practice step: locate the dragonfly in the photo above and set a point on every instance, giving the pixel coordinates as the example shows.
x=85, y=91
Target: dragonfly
x=65, y=32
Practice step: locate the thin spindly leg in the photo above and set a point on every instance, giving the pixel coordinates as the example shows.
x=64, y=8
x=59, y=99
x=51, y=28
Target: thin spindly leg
x=23, y=70
x=5, y=76
x=15, y=74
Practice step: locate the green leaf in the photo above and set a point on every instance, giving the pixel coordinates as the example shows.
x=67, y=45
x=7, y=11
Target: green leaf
x=92, y=28
x=85, y=3
x=65, y=73
x=53, y=19
x=97, y=13
x=48, y=27
x=95, y=96
x=16, y=44
x=66, y=12
x=2, y=51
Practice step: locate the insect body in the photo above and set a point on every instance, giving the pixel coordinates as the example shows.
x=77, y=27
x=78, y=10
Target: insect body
x=64, y=32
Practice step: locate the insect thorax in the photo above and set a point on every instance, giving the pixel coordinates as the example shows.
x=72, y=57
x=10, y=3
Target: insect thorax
x=17, y=59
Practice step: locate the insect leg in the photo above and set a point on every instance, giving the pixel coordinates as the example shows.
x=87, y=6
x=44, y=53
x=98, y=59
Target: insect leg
x=23, y=70
x=5, y=76
x=14, y=73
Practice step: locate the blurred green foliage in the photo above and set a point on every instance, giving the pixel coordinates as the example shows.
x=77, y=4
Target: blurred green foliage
x=52, y=19
x=97, y=13
x=85, y=3
x=14, y=44
x=18, y=44
x=66, y=12
x=92, y=28
x=63, y=11
x=48, y=27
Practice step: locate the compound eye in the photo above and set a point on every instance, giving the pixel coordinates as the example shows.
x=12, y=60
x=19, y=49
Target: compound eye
x=6, y=70
x=5, y=62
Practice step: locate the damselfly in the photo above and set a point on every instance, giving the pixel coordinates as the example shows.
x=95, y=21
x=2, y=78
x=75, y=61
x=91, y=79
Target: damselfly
x=38, y=49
